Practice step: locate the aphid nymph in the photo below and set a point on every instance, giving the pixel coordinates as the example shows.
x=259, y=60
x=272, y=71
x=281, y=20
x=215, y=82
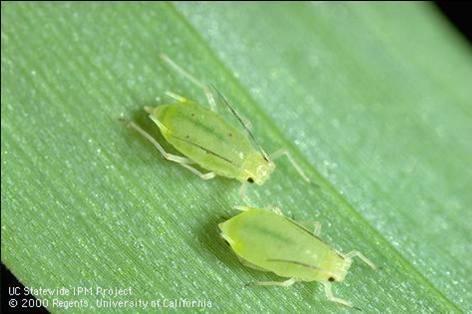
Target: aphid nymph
x=268, y=241
x=206, y=139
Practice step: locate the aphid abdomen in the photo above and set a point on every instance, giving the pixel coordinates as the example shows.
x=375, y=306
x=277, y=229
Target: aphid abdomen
x=204, y=137
x=275, y=243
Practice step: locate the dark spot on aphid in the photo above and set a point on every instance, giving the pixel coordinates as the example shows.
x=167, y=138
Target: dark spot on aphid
x=187, y=136
x=331, y=279
x=230, y=134
x=250, y=180
x=193, y=115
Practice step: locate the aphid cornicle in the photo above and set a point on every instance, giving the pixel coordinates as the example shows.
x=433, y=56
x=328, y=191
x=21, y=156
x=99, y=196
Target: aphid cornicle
x=207, y=140
x=269, y=241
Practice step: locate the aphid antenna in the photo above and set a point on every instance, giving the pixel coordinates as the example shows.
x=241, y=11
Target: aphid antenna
x=182, y=72
x=241, y=121
x=194, y=80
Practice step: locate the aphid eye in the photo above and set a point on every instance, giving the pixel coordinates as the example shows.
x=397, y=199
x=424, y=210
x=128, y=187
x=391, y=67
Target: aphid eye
x=250, y=180
x=331, y=279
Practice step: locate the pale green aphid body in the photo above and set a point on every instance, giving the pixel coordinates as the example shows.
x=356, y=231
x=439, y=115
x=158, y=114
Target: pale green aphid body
x=268, y=241
x=208, y=140
x=205, y=139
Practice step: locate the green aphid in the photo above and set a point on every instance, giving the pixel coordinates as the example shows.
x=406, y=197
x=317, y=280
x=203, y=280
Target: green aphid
x=206, y=139
x=269, y=241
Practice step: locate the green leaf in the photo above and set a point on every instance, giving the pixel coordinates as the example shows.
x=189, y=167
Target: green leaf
x=373, y=100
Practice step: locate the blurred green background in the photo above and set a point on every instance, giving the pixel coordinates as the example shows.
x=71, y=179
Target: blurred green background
x=372, y=99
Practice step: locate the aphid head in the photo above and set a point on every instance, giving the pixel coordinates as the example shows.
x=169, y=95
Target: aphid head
x=258, y=168
x=335, y=268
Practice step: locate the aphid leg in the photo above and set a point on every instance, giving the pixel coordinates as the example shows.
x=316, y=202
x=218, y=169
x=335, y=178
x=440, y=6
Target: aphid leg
x=330, y=296
x=184, y=162
x=286, y=153
x=243, y=192
x=317, y=228
x=161, y=126
x=177, y=97
x=209, y=95
x=362, y=257
x=276, y=210
x=227, y=239
x=158, y=146
x=242, y=208
x=149, y=109
x=286, y=283
x=204, y=176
